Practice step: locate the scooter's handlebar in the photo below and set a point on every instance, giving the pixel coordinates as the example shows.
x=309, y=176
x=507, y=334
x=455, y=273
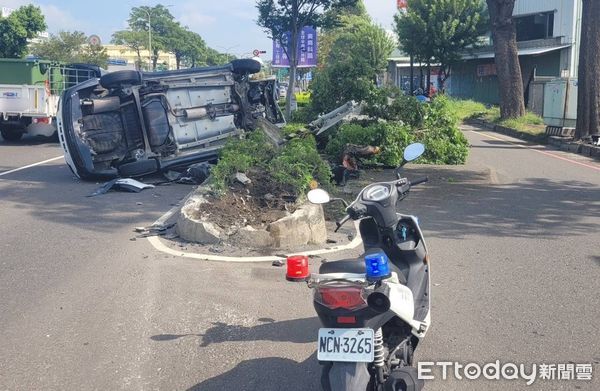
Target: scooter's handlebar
x=395, y=190
x=418, y=181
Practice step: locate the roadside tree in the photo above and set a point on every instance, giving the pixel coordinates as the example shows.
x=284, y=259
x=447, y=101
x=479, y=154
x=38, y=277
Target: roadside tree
x=504, y=35
x=440, y=31
x=357, y=55
x=282, y=17
x=71, y=47
x=134, y=40
x=21, y=25
x=159, y=21
x=588, y=93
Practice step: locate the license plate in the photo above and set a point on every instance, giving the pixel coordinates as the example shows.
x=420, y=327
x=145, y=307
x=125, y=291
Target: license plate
x=349, y=345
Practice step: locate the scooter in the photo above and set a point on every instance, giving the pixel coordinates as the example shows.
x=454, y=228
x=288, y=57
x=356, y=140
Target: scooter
x=374, y=309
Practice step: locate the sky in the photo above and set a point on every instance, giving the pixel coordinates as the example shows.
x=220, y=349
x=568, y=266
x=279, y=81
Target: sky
x=228, y=26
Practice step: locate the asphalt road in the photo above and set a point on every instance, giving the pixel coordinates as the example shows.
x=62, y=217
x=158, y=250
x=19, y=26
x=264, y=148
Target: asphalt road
x=514, y=241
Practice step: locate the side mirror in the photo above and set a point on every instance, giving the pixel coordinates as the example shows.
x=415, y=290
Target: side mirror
x=413, y=152
x=318, y=196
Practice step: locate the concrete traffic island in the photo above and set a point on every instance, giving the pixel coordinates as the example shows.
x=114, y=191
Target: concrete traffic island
x=305, y=226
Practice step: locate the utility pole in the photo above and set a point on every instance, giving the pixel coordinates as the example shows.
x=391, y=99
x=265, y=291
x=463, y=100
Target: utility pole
x=149, y=39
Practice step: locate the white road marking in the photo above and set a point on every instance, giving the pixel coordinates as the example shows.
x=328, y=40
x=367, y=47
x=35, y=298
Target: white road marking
x=597, y=168
x=30, y=165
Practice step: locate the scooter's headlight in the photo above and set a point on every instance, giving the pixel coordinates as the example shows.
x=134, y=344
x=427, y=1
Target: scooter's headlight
x=376, y=193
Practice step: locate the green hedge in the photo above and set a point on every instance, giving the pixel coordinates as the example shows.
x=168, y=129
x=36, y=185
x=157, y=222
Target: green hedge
x=294, y=166
x=405, y=121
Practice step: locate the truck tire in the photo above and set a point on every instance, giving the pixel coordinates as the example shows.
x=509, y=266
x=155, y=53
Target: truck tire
x=11, y=134
x=245, y=66
x=119, y=78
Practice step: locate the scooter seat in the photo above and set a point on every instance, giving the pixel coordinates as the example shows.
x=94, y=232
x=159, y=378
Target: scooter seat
x=343, y=266
x=356, y=266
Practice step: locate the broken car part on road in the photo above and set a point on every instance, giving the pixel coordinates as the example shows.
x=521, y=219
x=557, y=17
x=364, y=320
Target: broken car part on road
x=122, y=184
x=129, y=123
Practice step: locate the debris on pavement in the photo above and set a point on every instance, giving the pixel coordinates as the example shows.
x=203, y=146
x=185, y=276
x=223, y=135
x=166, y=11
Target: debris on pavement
x=196, y=174
x=217, y=249
x=121, y=184
x=154, y=230
x=242, y=178
x=277, y=262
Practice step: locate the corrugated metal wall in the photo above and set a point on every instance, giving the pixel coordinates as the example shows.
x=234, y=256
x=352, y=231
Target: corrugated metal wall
x=465, y=83
x=564, y=18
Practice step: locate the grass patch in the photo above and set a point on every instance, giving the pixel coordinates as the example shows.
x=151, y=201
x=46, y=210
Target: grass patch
x=529, y=123
x=466, y=109
x=303, y=98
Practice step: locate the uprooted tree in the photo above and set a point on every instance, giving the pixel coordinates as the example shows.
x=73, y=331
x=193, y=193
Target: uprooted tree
x=441, y=31
x=510, y=81
x=588, y=93
x=282, y=17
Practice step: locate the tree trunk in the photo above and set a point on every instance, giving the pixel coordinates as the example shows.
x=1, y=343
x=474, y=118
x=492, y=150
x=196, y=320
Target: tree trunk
x=139, y=63
x=510, y=82
x=428, y=86
x=154, y=60
x=442, y=76
x=293, y=57
x=588, y=93
x=412, y=75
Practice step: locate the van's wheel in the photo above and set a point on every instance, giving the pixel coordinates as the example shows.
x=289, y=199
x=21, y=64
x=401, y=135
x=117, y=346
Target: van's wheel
x=119, y=78
x=245, y=66
x=11, y=134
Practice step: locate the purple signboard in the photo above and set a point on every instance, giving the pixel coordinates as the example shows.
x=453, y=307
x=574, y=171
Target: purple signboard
x=307, y=50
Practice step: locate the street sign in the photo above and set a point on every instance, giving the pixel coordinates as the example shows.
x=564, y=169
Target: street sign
x=307, y=49
x=94, y=40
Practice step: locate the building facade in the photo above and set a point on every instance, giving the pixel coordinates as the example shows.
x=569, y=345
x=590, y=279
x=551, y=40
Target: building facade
x=122, y=57
x=548, y=44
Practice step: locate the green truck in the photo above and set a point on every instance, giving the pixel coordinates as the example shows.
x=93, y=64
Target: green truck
x=29, y=94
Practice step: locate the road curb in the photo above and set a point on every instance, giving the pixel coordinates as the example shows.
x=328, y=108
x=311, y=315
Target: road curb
x=160, y=246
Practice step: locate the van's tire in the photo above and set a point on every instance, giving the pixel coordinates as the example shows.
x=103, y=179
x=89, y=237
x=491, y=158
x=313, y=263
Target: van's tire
x=245, y=66
x=9, y=134
x=138, y=168
x=119, y=78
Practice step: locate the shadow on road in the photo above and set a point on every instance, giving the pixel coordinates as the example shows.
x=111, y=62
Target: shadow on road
x=295, y=330
x=52, y=193
x=459, y=201
x=28, y=141
x=267, y=374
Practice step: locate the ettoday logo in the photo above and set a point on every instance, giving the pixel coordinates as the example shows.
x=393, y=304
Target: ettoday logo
x=505, y=371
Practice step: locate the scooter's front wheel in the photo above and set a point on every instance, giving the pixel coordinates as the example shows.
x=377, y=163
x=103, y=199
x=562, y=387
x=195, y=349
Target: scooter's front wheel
x=345, y=376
